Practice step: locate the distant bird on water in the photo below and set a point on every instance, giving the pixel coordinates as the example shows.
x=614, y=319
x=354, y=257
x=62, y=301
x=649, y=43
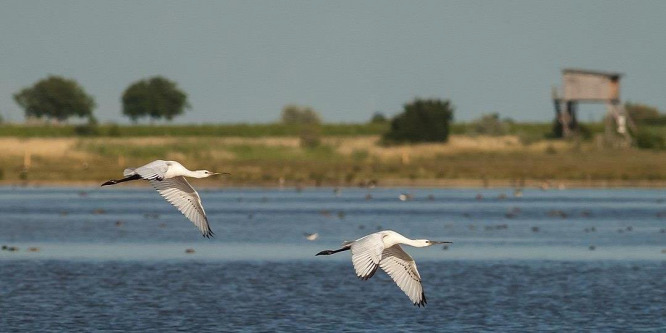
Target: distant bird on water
x=382, y=249
x=310, y=236
x=168, y=178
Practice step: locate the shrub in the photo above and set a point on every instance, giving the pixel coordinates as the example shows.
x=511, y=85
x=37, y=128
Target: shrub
x=378, y=118
x=490, y=124
x=580, y=130
x=584, y=132
x=641, y=112
x=89, y=129
x=310, y=136
x=423, y=120
x=299, y=115
x=648, y=140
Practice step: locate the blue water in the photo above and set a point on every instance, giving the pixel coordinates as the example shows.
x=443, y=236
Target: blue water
x=114, y=260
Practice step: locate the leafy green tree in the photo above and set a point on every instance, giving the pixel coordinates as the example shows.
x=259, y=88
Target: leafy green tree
x=156, y=98
x=423, y=120
x=55, y=98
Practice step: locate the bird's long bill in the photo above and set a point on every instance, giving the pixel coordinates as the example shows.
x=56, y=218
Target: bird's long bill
x=222, y=173
x=436, y=242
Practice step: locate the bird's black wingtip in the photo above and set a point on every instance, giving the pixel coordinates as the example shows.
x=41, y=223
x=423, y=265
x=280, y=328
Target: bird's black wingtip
x=422, y=302
x=126, y=179
x=329, y=252
x=209, y=234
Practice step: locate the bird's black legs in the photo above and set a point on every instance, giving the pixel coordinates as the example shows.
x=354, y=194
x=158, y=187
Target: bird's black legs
x=329, y=252
x=126, y=179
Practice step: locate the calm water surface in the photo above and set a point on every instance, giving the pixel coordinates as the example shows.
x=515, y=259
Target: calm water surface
x=114, y=260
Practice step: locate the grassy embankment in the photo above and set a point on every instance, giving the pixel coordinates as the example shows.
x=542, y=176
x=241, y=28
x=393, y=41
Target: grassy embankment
x=348, y=155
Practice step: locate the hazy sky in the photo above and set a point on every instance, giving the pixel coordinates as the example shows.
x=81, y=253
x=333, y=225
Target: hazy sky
x=242, y=61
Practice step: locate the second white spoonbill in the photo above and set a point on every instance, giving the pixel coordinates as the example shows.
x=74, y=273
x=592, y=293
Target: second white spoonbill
x=168, y=178
x=382, y=249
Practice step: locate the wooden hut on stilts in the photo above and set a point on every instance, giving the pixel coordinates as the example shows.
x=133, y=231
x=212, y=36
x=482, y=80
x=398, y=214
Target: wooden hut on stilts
x=586, y=86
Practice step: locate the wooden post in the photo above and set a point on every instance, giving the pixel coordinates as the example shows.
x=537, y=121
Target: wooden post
x=564, y=120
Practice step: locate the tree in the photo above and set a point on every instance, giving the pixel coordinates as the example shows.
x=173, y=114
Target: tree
x=308, y=122
x=424, y=120
x=297, y=115
x=55, y=98
x=156, y=97
x=640, y=112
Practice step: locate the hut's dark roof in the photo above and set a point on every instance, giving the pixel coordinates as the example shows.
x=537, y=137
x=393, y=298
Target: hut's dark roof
x=614, y=75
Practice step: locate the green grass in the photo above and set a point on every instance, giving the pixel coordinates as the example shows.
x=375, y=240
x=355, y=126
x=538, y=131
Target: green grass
x=246, y=152
x=217, y=130
x=136, y=151
x=528, y=132
x=201, y=149
x=264, y=161
x=256, y=162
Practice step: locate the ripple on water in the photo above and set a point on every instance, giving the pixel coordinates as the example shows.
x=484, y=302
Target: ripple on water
x=313, y=295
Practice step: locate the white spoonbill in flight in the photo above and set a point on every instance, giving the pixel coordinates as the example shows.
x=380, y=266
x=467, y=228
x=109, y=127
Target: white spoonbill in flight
x=382, y=249
x=168, y=178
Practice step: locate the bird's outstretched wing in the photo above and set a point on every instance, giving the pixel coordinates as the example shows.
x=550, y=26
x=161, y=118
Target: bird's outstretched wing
x=151, y=171
x=402, y=269
x=367, y=254
x=180, y=193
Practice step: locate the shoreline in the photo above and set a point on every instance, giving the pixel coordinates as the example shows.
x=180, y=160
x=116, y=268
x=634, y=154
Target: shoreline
x=387, y=183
